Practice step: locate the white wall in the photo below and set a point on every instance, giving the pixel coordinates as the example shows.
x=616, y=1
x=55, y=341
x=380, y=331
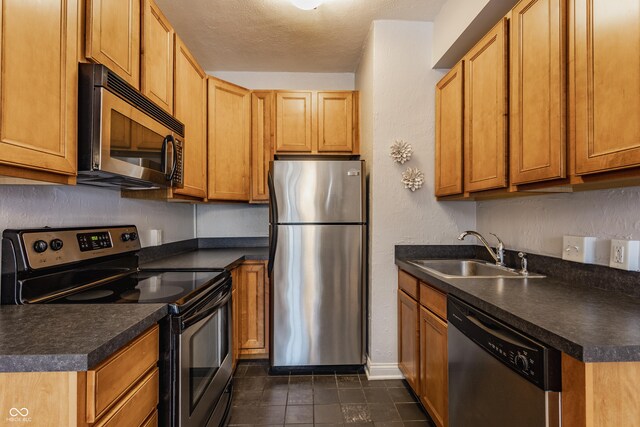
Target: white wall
x=397, y=83
x=56, y=206
x=292, y=81
x=536, y=224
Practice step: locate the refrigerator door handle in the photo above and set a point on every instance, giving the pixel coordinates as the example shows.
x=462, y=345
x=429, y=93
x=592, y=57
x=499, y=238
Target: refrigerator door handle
x=273, y=219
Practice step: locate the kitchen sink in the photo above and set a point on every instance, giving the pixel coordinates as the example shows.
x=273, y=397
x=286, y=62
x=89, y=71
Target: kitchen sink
x=468, y=268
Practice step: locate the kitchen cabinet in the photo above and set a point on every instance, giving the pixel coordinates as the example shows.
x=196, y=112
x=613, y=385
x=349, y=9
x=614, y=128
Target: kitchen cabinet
x=113, y=37
x=409, y=339
x=229, y=135
x=39, y=90
x=449, y=132
x=262, y=133
x=599, y=394
x=312, y=122
x=157, y=56
x=235, y=347
x=253, y=308
x=604, y=46
x=123, y=390
x=422, y=344
x=191, y=109
x=485, y=112
x=538, y=91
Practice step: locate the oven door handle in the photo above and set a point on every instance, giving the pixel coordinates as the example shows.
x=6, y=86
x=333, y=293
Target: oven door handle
x=201, y=314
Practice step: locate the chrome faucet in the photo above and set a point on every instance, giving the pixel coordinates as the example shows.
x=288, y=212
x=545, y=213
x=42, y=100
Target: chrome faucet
x=498, y=255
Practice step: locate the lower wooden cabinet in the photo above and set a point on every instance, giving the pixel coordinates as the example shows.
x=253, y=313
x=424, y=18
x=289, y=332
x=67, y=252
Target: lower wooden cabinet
x=122, y=391
x=251, y=308
x=422, y=345
x=408, y=339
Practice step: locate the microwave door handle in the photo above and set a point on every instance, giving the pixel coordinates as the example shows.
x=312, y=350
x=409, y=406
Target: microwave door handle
x=174, y=158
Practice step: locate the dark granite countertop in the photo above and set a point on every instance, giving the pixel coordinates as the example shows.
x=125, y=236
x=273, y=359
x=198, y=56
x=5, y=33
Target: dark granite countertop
x=590, y=324
x=74, y=337
x=210, y=258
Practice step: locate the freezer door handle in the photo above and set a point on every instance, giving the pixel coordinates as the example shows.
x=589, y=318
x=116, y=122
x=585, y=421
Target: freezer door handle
x=273, y=214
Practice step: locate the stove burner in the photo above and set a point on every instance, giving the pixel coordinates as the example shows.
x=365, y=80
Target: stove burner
x=147, y=292
x=90, y=295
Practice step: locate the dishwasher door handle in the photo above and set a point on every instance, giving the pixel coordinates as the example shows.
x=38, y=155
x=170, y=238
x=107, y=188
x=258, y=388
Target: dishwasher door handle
x=501, y=333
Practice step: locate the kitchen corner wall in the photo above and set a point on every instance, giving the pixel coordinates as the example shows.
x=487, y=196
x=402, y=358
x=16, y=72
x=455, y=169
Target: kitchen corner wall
x=27, y=206
x=397, y=92
x=242, y=219
x=536, y=224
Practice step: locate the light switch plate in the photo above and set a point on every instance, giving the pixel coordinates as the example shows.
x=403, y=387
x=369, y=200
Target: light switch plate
x=579, y=249
x=624, y=254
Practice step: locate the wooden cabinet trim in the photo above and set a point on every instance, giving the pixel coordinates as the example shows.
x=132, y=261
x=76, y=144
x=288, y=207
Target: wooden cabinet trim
x=112, y=378
x=538, y=91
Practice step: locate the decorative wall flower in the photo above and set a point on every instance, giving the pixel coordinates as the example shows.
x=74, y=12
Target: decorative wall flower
x=401, y=151
x=412, y=179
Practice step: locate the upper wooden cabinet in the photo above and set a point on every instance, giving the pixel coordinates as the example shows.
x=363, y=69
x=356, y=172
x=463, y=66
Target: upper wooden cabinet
x=113, y=36
x=190, y=93
x=39, y=89
x=263, y=123
x=335, y=122
x=605, y=85
x=312, y=122
x=294, y=129
x=538, y=100
x=229, y=141
x=485, y=112
x=157, y=56
x=449, y=132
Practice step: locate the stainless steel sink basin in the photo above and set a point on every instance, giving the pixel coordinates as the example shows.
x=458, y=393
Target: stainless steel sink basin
x=468, y=268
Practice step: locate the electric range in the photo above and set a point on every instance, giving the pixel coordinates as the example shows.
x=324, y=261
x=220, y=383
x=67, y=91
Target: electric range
x=99, y=265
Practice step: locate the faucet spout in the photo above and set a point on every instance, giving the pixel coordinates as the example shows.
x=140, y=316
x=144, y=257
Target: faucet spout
x=498, y=255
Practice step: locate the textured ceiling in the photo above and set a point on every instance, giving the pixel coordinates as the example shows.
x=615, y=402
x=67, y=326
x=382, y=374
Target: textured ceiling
x=273, y=35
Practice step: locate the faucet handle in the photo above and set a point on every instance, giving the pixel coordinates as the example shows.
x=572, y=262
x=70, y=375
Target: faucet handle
x=523, y=263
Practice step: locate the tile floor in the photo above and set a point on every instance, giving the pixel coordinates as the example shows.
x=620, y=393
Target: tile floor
x=324, y=399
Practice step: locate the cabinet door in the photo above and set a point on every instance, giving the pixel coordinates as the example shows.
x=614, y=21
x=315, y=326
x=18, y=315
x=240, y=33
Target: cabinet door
x=408, y=339
x=191, y=109
x=449, y=131
x=229, y=141
x=113, y=36
x=39, y=85
x=485, y=118
x=157, y=56
x=294, y=113
x=335, y=122
x=538, y=112
x=262, y=132
x=253, y=301
x=605, y=80
x=434, y=367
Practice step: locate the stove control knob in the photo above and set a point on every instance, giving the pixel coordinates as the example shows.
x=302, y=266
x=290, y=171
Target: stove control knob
x=40, y=246
x=133, y=236
x=125, y=237
x=522, y=363
x=56, y=244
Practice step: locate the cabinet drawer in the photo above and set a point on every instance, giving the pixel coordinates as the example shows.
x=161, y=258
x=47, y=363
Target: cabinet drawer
x=112, y=378
x=434, y=300
x=134, y=409
x=408, y=283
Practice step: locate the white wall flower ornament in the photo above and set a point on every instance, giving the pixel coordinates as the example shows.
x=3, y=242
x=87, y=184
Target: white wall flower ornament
x=401, y=151
x=412, y=179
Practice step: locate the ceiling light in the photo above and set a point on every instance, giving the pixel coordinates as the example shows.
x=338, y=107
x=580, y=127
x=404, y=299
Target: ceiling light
x=306, y=4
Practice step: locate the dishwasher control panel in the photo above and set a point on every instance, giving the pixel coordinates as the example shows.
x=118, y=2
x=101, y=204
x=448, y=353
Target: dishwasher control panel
x=529, y=358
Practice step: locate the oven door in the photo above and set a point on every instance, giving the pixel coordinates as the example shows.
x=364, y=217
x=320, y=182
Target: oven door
x=204, y=358
x=134, y=144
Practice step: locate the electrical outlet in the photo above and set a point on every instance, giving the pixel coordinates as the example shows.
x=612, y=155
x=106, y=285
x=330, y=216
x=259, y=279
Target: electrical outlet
x=579, y=249
x=624, y=254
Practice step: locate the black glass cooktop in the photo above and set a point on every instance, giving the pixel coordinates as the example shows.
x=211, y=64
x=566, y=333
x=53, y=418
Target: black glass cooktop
x=171, y=287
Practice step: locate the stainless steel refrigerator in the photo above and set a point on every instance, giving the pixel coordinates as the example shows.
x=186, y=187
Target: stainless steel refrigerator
x=316, y=262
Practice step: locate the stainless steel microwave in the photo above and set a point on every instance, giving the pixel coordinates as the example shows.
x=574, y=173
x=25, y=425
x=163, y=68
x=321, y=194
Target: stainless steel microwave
x=125, y=140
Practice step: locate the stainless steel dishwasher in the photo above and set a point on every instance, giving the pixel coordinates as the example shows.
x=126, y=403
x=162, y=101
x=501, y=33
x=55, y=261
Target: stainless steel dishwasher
x=499, y=377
